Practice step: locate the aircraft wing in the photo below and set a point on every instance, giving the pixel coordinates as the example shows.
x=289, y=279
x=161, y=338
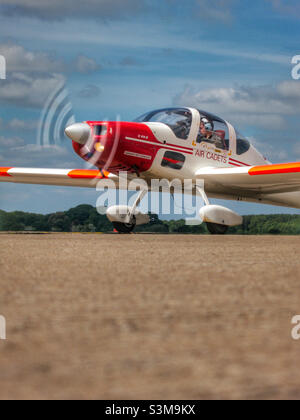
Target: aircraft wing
x=88, y=178
x=271, y=184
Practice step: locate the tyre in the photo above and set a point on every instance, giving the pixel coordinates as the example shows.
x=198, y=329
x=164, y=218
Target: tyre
x=216, y=229
x=124, y=228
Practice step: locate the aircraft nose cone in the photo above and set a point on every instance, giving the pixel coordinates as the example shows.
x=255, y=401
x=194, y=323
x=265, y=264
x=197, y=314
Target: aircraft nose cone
x=79, y=132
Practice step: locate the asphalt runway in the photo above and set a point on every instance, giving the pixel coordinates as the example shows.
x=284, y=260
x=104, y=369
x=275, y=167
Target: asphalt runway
x=94, y=316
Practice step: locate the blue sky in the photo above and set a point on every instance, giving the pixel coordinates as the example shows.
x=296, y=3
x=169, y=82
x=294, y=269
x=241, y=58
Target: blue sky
x=125, y=57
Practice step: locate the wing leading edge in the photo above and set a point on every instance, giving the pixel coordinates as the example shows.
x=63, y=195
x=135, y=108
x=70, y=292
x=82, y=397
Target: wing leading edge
x=87, y=178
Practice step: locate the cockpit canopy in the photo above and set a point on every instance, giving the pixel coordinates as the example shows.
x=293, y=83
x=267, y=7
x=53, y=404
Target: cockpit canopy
x=215, y=130
x=242, y=144
x=178, y=119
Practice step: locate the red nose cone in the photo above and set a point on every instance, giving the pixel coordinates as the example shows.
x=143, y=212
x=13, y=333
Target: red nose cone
x=118, y=146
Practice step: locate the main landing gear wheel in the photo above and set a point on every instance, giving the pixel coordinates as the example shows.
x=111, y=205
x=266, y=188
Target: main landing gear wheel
x=124, y=228
x=216, y=229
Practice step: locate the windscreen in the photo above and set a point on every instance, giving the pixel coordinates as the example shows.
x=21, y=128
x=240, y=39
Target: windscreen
x=178, y=119
x=242, y=144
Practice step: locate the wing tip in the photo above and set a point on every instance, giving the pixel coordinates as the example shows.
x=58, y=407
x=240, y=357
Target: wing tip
x=281, y=168
x=4, y=171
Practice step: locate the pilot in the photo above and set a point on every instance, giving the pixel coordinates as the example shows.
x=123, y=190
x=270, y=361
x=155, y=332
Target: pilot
x=207, y=133
x=182, y=128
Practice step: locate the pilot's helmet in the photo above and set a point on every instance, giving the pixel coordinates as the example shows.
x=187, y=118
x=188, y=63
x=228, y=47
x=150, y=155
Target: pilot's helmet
x=207, y=124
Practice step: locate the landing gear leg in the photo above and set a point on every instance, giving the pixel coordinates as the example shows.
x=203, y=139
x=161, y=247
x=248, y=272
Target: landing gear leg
x=130, y=220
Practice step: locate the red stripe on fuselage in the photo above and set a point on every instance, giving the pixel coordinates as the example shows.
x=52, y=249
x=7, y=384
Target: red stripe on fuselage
x=237, y=161
x=181, y=147
x=158, y=145
x=176, y=150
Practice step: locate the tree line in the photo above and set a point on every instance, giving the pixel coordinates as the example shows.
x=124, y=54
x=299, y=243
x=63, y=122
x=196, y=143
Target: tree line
x=85, y=218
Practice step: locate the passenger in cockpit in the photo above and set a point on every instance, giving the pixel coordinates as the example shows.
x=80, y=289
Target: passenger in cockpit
x=207, y=134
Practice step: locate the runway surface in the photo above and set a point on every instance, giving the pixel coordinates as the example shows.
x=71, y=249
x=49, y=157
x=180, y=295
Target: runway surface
x=149, y=317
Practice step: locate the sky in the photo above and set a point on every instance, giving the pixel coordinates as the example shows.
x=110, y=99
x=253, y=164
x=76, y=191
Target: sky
x=109, y=59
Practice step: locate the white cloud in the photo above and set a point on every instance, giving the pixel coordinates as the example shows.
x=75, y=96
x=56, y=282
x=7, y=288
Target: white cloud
x=220, y=10
x=90, y=91
x=117, y=34
x=129, y=62
x=273, y=152
x=22, y=60
x=296, y=150
x=289, y=7
x=265, y=106
x=61, y=10
x=86, y=65
x=8, y=143
x=17, y=153
x=262, y=107
x=19, y=59
x=17, y=124
x=269, y=122
x=289, y=90
x=25, y=90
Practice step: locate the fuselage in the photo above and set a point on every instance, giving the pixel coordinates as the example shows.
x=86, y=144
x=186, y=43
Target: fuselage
x=165, y=144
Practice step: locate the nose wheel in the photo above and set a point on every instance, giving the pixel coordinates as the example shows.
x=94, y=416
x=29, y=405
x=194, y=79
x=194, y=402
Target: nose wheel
x=130, y=220
x=125, y=228
x=215, y=229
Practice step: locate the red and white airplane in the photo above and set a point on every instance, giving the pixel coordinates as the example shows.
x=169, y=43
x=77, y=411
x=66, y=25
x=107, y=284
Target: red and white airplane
x=181, y=143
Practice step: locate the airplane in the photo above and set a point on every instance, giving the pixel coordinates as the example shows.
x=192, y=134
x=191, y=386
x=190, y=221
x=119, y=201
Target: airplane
x=182, y=143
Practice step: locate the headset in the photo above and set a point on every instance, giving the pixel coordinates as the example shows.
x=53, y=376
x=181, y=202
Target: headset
x=207, y=124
